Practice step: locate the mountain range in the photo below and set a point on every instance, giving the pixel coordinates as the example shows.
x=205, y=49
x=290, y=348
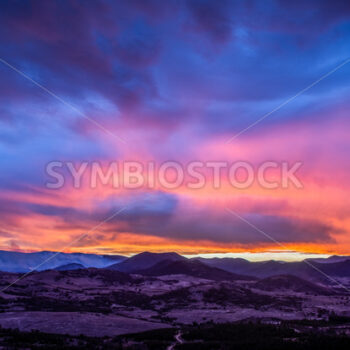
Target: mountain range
x=45, y=260
x=326, y=271
x=315, y=270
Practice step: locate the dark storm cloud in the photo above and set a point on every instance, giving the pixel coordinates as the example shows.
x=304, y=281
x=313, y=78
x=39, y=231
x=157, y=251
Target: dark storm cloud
x=224, y=228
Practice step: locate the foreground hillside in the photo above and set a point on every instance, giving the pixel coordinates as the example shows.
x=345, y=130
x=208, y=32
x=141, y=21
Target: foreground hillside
x=107, y=302
x=291, y=335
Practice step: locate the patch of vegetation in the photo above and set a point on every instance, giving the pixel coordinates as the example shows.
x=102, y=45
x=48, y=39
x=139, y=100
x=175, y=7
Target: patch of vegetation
x=241, y=336
x=288, y=335
x=224, y=295
x=15, y=339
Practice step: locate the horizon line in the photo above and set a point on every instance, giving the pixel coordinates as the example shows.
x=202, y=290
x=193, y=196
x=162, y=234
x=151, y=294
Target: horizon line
x=287, y=256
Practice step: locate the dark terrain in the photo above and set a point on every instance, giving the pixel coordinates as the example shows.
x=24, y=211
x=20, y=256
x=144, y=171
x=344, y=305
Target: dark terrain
x=175, y=303
x=290, y=335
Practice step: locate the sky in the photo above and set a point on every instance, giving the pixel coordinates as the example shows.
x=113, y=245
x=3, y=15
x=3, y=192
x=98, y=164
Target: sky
x=157, y=81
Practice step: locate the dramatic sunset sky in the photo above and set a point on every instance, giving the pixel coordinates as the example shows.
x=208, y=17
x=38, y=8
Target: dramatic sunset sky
x=174, y=80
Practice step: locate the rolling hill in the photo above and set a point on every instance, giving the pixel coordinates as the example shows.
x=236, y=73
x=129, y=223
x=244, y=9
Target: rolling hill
x=67, y=267
x=145, y=260
x=307, y=269
x=292, y=283
x=191, y=268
